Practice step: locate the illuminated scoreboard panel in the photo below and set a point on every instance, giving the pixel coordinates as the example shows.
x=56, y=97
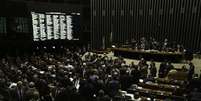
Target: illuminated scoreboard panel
x=36, y=27
x=63, y=27
x=56, y=27
x=42, y=27
x=69, y=27
x=49, y=25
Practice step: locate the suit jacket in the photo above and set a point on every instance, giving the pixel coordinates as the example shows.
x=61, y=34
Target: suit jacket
x=31, y=94
x=135, y=75
x=191, y=69
x=17, y=94
x=4, y=94
x=113, y=87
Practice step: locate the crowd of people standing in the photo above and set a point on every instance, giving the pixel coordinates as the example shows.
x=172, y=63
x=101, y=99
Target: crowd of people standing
x=72, y=76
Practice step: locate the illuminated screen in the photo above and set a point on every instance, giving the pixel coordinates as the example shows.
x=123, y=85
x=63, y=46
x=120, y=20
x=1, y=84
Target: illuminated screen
x=55, y=25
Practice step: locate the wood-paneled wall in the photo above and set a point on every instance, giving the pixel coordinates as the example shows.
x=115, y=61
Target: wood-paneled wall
x=177, y=20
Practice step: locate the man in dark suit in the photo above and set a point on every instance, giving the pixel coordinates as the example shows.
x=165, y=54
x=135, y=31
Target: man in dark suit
x=125, y=79
x=87, y=90
x=133, y=43
x=143, y=68
x=43, y=89
x=3, y=90
x=191, y=70
x=162, y=68
x=102, y=96
x=32, y=93
x=18, y=93
x=113, y=86
x=135, y=74
x=168, y=68
x=153, y=69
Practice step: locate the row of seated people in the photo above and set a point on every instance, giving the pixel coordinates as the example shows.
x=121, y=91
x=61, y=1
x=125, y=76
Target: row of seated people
x=153, y=44
x=70, y=76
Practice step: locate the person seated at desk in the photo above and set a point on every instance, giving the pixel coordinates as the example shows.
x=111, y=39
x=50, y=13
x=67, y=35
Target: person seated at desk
x=126, y=45
x=154, y=44
x=165, y=45
x=153, y=69
x=178, y=48
x=168, y=68
x=162, y=68
x=143, y=44
x=133, y=42
x=191, y=70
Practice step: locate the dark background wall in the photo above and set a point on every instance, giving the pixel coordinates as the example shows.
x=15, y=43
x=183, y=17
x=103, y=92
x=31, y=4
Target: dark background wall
x=177, y=20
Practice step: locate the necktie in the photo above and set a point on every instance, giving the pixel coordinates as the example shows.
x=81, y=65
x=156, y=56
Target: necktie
x=57, y=92
x=20, y=94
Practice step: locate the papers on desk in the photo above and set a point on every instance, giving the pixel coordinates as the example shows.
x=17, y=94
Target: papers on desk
x=139, y=88
x=130, y=95
x=141, y=80
x=13, y=85
x=42, y=72
x=148, y=99
x=149, y=82
x=152, y=51
x=53, y=75
x=172, y=86
x=123, y=92
x=33, y=68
